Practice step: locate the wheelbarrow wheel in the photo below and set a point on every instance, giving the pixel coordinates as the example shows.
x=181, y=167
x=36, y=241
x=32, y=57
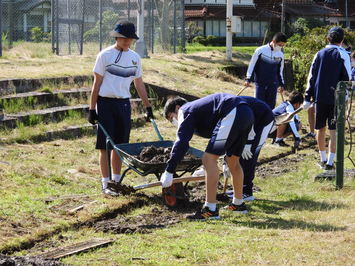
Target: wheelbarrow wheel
x=174, y=195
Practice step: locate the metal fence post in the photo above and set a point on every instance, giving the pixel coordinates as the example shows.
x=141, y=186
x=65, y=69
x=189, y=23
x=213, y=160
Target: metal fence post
x=57, y=27
x=183, y=33
x=100, y=23
x=129, y=10
x=0, y=28
x=340, y=132
x=52, y=25
x=174, y=38
x=11, y=23
x=82, y=31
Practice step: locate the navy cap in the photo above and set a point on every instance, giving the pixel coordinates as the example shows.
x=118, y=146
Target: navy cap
x=124, y=29
x=336, y=32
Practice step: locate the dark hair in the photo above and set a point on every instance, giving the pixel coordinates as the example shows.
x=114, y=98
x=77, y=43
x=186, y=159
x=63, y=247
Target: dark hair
x=335, y=35
x=295, y=97
x=279, y=37
x=171, y=104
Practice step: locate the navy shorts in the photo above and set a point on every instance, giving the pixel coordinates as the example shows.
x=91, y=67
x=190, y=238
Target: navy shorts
x=115, y=116
x=231, y=132
x=325, y=114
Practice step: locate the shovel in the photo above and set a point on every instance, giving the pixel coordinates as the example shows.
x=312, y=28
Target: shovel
x=287, y=117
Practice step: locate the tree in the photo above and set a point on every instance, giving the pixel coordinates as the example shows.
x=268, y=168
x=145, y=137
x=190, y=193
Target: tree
x=109, y=19
x=192, y=30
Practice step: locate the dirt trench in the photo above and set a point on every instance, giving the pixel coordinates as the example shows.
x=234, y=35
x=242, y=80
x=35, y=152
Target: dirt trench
x=27, y=260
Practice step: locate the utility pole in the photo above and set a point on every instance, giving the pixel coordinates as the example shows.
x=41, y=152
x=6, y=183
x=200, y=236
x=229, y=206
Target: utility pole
x=283, y=16
x=141, y=48
x=347, y=22
x=229, y=33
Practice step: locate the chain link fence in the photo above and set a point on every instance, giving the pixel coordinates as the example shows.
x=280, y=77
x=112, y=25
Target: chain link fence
x=83, y=26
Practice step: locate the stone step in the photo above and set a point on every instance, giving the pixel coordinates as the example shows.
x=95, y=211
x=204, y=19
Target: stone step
x=46, y=97
x=68, y=132
x=55, y=114
x=12, y=86
x=47, y=115
x=56, y=98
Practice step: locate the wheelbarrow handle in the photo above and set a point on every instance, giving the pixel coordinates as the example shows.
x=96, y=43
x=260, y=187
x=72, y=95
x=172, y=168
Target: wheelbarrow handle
x=156, y=129
x=175, y=180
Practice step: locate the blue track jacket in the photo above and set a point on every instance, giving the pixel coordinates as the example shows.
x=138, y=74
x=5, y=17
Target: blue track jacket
x=266, y=66
x=201, y=116
x=330, y=65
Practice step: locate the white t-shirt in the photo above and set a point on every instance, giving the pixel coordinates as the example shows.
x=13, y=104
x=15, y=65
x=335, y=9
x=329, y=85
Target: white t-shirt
x=119, y=69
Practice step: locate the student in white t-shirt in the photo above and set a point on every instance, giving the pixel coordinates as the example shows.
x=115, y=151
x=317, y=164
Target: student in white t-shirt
x=115, y=69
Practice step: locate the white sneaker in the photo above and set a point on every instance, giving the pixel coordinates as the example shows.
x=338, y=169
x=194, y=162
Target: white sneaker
x=109, y=192
x=247, y=197
x=199, y=172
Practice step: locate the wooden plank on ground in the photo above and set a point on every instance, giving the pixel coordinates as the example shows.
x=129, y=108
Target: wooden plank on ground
x=76, y=209
x=75, y=248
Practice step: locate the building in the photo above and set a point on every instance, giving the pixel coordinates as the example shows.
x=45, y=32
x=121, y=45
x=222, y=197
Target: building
x=22, y=15
x=260, y=17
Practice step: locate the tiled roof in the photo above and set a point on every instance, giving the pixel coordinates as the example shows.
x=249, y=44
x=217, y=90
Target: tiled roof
x=219, y=12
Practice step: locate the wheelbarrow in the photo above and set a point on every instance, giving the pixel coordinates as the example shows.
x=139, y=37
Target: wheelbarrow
x=128, y=152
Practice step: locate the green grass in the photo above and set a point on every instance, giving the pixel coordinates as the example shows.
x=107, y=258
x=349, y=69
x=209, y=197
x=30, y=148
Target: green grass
x=294, y=213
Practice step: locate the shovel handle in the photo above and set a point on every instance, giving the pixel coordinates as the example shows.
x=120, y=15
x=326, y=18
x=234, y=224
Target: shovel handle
x=175, y=180
x=242, y=90
x=282, y=96
x=156, y=129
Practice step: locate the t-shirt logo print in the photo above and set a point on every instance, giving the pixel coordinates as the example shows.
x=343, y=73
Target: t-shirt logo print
x=134, y=62
x=121, y=71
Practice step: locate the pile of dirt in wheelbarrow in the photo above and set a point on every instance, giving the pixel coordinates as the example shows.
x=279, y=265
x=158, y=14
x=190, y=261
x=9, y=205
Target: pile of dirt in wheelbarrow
x=13, y=260
x=152, y=154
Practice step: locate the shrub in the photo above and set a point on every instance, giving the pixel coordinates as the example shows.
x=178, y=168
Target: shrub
x=303, y=49
x=200, y=40
x=192, y=30
x=37, y=35
x=303, y=25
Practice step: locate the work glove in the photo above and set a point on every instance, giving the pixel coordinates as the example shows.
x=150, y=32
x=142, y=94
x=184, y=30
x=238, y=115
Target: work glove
x=247, y=154
x=149, y=114
x=306, y=105
x=297, y=143
x=93, y=118
x=166, y=179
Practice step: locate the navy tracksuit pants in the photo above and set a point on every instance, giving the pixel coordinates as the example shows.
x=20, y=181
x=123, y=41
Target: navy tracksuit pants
x=250, y=165
x=267, y=92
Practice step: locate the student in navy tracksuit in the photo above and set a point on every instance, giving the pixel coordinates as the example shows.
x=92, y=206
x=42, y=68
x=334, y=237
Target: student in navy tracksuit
x=263, y=123
x=330, y=65
x=295, y=100
x=266, y=70
x=227, y=120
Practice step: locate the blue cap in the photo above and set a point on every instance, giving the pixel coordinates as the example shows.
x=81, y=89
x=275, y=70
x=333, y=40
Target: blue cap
x=124, y=29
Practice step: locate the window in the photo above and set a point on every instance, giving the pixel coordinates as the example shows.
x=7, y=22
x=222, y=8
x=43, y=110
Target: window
x=222, y=28
x=263, y=27
x=247, y=29
x=215, y=30
x=209, y=26
x=256, y=29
